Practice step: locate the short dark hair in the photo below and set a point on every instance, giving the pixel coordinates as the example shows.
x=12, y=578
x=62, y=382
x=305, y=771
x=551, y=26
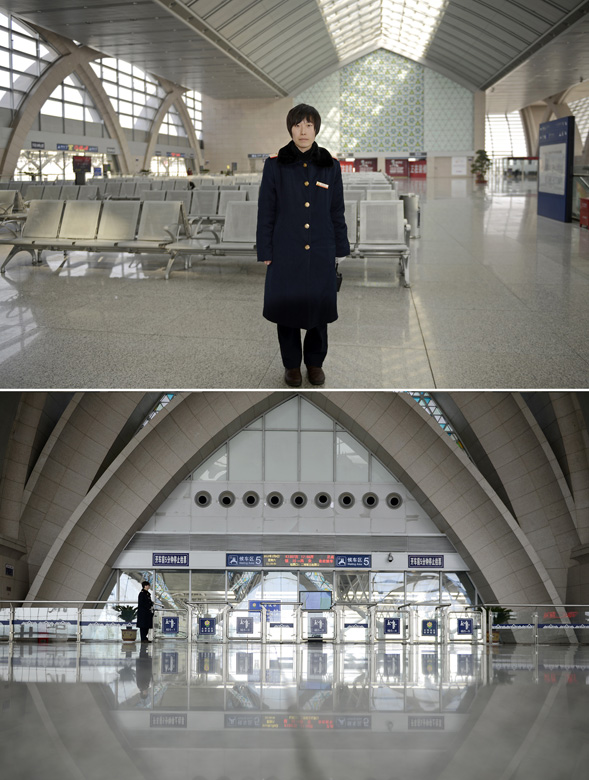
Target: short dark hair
x=300, y=112
x=144, y=583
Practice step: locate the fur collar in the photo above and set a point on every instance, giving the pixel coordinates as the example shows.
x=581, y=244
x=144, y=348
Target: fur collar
x=319, y=156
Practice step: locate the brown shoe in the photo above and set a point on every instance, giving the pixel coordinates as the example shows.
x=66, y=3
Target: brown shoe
x=316, y=375
x=292, y=377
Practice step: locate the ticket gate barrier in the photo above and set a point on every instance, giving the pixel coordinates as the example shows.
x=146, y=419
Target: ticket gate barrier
x=354, y=622
x=391, y=624
x=466, y=624
x=170, y=623
x=207, y=621
x=318, y=625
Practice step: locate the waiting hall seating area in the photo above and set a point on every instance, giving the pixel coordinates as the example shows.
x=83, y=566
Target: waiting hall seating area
x=185, y=226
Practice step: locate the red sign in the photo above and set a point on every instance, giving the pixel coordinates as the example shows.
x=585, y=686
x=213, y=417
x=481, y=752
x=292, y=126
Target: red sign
x=397, y=167
x=348, y=167
x=365, y=165
x=417, y=169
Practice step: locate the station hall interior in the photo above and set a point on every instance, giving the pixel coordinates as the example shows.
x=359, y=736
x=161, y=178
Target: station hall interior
x=324, y=567
x=148, y=92
x=383, y=578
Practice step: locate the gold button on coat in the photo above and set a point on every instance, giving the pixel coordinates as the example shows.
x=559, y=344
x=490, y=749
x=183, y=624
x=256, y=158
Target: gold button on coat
x=307, y=226
x=306, y=184
x=304, y=165
x=307, y=246
x=307, y=204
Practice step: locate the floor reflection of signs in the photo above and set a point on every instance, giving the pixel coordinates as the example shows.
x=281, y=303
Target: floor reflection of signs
x=317, y=664
x=392, y=665
x=465, y=664
x=244, y=663
x=429, y=664
x=206, y=663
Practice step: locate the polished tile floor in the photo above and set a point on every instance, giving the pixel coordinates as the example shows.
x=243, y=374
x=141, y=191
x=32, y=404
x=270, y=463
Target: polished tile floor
x=499, y=298
x=290, y=712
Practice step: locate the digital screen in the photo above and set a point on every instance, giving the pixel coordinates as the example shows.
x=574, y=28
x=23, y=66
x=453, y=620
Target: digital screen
x=315, y=599
x=299, y=560
x=82, y=164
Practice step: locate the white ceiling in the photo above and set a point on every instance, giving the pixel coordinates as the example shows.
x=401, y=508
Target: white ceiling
x=265, y=48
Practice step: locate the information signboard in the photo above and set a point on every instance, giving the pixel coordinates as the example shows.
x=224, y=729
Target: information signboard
x=169, y=559
x=429, y=628
x=426, y=561
x=555, y=168
x=353, y=561
x=392, y=625
x=245, y=625
x=398, y=168
x=465, y=626
x=317, y=625
x=207, y=625
x=272, y=608
x=244, y=560
x=299, y=560
x=170, y=625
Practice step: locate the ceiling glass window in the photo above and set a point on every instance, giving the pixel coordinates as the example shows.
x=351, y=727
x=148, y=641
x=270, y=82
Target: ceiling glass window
x=71, y=100
x=172, y=125
x=24, y=55
x=294, y=442
x=135, y=95
x=504, y=135
x=580, y=109
x=405, y=27
x=193, y=101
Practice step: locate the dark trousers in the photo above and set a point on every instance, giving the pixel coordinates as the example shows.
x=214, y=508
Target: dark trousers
x=143, y=633
x=313, y=350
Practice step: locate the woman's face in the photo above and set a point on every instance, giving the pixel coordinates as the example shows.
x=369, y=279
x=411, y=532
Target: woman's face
x=303, y=135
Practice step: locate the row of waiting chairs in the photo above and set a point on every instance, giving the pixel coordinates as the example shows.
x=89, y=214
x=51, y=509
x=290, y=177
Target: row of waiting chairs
x=374, y=228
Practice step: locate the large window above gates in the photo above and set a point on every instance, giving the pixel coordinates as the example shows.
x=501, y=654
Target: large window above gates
x=294, y=442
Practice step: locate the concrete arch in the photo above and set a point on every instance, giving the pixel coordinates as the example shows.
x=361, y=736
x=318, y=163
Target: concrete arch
x=173, y=98
x=73, y=58
x=503, y=561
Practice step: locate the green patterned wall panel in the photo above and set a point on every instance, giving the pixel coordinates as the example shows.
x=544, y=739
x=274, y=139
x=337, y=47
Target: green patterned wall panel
x=324, y=96
x=449, y=115
x=384, y=103
x=381, y=104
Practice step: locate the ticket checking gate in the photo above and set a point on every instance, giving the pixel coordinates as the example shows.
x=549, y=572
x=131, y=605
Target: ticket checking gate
x=287, y=622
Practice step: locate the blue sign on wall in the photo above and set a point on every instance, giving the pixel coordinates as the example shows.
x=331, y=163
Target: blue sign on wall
x=392, y=625
x=272, y=608
x=555, y=168
x=207, y=625
x=317, y=625
x=169, y=559
x=353, y=561
x=426, y=561
x=169, y=663
x=465, y=626
x=170, y=625
x=245, y=625
x=429, y=628
x=245, y=559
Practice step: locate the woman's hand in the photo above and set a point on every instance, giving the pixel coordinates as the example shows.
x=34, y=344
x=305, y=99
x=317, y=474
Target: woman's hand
x=267, y=262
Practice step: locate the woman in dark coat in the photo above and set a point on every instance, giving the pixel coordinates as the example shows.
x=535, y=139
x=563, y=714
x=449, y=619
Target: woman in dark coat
x=144, y=611
x=301, y=231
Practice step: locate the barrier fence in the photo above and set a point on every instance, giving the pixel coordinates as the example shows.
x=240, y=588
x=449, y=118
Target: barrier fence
x=267, y=622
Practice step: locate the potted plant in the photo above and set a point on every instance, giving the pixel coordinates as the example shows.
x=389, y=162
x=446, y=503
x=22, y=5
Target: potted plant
x=480, y=165
x=127, y=613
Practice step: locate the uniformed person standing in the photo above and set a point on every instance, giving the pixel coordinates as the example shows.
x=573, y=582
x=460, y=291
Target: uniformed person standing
x=301, y=231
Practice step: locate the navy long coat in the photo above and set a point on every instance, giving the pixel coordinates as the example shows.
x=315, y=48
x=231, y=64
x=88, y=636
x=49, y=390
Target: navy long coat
x=301, y=229
x=144, y=613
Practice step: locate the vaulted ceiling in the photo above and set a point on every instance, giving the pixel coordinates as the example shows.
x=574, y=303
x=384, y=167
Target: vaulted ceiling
x=266, y=48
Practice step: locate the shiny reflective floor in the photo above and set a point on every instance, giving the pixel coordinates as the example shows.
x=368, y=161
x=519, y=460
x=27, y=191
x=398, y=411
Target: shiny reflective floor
x=312, y=712
x=499, y=298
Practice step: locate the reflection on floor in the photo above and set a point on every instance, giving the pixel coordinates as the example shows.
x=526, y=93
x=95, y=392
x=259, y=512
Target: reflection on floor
x=311, y=712
x=499, y=299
